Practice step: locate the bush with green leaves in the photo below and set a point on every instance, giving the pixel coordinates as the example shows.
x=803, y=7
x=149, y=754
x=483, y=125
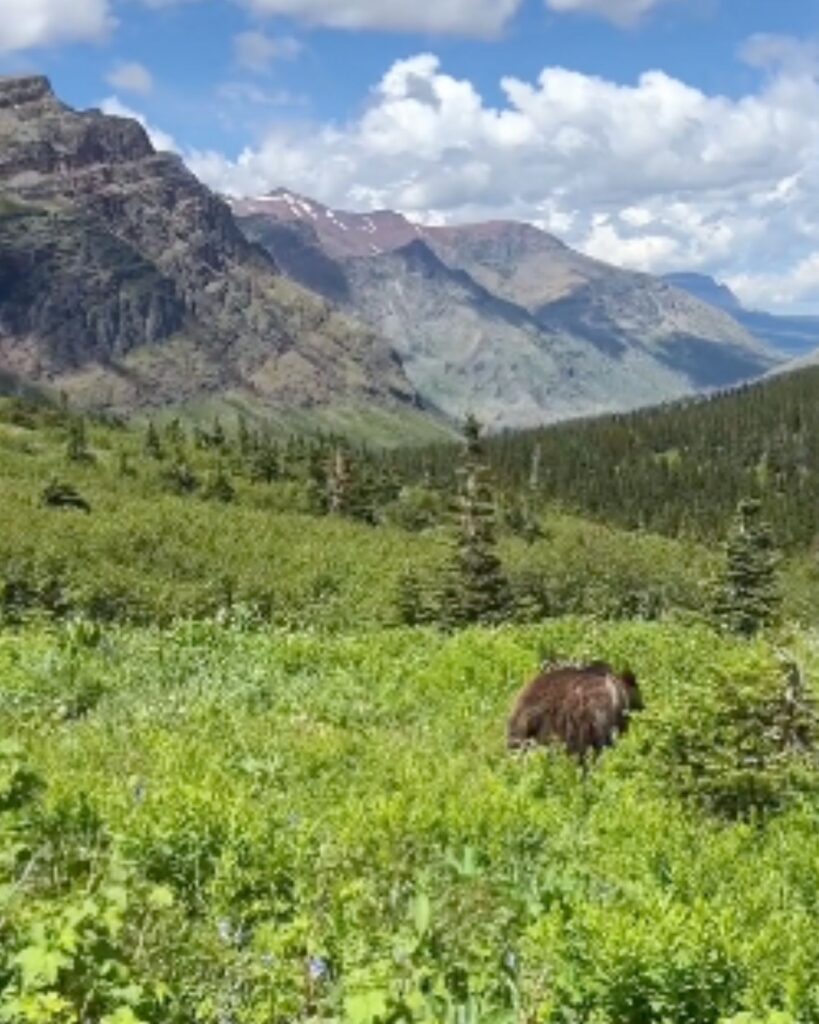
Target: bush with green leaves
x=265, y=826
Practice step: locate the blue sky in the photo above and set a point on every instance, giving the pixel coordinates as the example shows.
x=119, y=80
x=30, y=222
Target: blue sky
x=660, y=134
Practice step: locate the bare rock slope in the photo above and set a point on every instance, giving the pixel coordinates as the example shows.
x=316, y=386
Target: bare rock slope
x=503, y=319
x=127, y=283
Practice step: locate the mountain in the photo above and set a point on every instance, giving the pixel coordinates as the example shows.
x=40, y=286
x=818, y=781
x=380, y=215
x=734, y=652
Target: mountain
x=127, y=284
x=793, y=336
x=706, y=289
x=502, y=318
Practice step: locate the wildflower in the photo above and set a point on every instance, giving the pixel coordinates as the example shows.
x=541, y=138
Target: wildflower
x=318, y=968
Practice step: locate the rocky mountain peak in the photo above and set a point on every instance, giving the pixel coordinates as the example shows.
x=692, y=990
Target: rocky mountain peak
x=342, y=233
x=705, y=288
x=40, y=136
x=17, y=92
x=127, y=282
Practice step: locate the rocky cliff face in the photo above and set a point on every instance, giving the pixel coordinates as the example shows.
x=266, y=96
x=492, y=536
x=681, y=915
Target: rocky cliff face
x=502, y=318
x=128, y=283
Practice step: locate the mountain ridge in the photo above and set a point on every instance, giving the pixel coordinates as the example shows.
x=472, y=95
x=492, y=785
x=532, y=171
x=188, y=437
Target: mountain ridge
x=795, y=336
x=525, y=329
x=126, y=283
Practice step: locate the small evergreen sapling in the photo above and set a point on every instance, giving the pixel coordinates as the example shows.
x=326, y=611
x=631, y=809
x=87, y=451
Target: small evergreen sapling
x=153, y=445
x=77, y=449
x=219, y=487
x=748, y=597
x=475, y=589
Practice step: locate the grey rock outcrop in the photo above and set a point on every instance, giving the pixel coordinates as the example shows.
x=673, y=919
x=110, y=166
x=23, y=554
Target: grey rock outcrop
x=126, y=282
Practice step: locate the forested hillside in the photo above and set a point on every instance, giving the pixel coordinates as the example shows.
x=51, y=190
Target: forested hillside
x=679, y=469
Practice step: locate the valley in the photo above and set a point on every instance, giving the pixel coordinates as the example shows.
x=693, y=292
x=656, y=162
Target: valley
x=296, y=499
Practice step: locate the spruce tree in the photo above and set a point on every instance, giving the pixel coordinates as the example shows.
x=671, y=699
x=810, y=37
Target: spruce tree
x=412, y=599
x=219, y=487
x=153, y=446
x=748, y=597
x=318, y=499
x=265, y=464
x=246, y=438
x=77, y=446
x=175, y=434
x=476, y=589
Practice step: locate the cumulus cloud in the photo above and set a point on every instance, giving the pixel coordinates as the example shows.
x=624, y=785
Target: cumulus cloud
x=131, y=76
x=256, y=51
x=160, y=140
x=776, y=52
x=462, y=17
x=623, y=12
x=788, y=289
x=26, y=24
x=656, y=174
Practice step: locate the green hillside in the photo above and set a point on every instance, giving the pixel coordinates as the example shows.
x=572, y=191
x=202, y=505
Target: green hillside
x=234, y=789
x=679, y=469
x=157, y=545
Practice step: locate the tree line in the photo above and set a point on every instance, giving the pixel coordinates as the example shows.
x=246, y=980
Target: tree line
x=679, y=469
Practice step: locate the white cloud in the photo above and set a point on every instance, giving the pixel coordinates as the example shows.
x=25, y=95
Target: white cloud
x=131, y=76
x=256, y=51
x=249, y=93
x=622, y=12
x=785, y=290
x=26, y=24
x=656, y=174
x=462, y=17
x=775, y=52
x=160, y=140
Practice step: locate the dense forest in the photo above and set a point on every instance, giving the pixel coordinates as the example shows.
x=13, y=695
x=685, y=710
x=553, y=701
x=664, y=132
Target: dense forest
x=679, y=469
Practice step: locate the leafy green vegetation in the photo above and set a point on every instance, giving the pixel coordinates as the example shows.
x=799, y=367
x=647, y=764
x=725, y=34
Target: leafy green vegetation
x=234, y=789
x=208, y=823
x=159, y=545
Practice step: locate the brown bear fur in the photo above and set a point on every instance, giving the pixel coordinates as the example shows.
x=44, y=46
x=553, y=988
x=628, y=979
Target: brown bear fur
x=584, y=708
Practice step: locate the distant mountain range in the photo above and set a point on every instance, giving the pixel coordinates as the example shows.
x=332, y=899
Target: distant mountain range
x=129, y=285
x=794, y=336
x=502, y=318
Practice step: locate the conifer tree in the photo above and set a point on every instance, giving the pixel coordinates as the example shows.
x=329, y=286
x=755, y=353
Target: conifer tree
x=219, y=487
x=318, y=498
x=218, y=437
x=77, y=446
x=246, y=438
x=153, y=446
x=411, y=599
x=174, y=434
x=748, y=597
x=475, y=588
x=179, y=478
x=265, y=464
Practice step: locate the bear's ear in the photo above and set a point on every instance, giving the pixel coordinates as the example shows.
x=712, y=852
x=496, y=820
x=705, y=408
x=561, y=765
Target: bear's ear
x=629, y=678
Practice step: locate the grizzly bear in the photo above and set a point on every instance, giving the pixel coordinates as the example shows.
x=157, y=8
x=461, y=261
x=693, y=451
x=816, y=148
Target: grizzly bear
x=584, y=708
